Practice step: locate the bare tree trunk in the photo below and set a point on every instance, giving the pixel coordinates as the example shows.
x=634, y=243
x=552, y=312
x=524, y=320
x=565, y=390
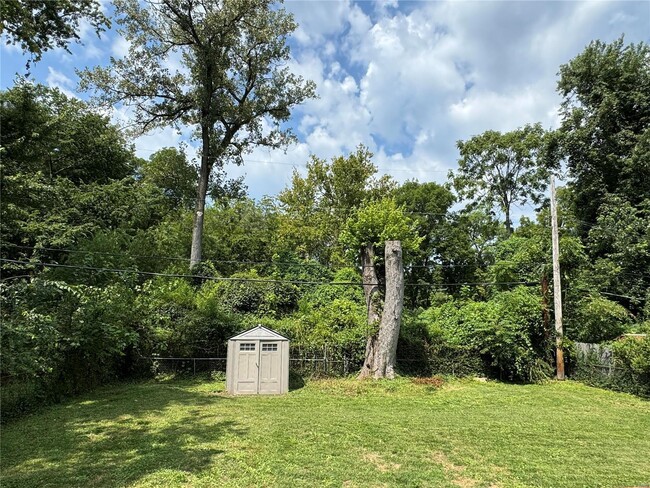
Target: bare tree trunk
x=382, y=346
x=370, y=283
x=371, y=293
x=204, y=177
x=508, y=221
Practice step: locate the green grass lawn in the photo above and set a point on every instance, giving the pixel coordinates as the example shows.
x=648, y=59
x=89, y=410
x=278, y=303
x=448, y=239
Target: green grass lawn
x=334, y=433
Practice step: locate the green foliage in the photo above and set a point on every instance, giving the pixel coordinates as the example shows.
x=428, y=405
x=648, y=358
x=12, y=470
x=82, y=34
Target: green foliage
x=45, y=131
x=632, y=355
x=597, y=319
x=629, y=370
x=169, y=170
x=620, y=245
x=377, y=222
x=605, y=120
x=59, y=339
x=505, y=330
x=502, y=169
x=179, y=321
x=41, y=25
x=316, y=207
x=445, y=240
x=248, y=292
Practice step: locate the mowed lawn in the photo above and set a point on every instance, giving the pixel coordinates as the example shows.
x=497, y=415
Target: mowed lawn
x=334, y=433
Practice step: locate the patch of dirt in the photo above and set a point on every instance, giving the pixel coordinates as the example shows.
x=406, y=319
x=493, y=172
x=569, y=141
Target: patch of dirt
x=378, y=462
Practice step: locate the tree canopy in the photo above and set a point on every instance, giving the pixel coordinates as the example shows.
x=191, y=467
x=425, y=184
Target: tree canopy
x=502, y=169
x=38, y=26
x=232, y=86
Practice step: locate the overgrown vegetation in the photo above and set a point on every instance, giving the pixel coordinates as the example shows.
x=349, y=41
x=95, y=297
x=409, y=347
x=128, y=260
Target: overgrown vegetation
x=96, y=245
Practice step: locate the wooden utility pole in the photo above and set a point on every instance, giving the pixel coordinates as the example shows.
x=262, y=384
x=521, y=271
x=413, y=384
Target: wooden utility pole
x=557, y=287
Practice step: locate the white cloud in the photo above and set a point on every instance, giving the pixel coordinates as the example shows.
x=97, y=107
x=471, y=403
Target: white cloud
x=410, y=80
x=120, y=46
x=56, y=79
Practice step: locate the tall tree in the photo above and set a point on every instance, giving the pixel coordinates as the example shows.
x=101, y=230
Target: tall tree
x=43, y=130
x=606, y=123
x=231, y=78
x=502, y=168
x=40, y=25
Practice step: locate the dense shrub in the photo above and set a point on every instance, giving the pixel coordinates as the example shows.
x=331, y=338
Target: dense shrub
x=60, y=339
x=597, y=319
x=248, y=292
x=632, y=356
x=505, y=331
x=181, y=321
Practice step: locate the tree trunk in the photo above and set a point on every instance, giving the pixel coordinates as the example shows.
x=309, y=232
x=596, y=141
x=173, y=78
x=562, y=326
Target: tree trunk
x=204, y=177
x=381, y=356
x=508, y=221
x=371, y=293
x=370, y=284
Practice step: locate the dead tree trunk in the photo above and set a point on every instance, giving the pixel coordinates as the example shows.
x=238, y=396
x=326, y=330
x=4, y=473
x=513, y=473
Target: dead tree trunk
x=371, y=294
x=381, y=349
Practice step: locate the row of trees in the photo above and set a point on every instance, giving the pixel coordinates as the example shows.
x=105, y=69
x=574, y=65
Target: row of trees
x=108, y=258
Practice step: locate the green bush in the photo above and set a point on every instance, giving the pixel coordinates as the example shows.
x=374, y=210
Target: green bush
x=178, y=320
x=632, y=356
x=60, y=340
x=248, y=292
x=596, y=319
x=505, y=331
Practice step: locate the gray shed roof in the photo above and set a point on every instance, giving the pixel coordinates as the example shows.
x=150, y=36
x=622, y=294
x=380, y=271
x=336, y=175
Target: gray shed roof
x=258, y=333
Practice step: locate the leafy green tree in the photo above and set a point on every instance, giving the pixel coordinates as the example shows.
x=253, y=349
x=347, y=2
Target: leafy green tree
x=619, y=244
x=445, y=253
x=169, y=169
x=502, y=169
x=316, y=206
x=233, y=78
x=43, y=130
x=606, y=123
x=40, y=25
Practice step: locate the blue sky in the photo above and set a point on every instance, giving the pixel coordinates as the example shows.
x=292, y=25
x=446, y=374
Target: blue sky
x=406, y=79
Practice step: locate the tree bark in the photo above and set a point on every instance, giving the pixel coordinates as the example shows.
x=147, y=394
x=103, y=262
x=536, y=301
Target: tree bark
x=371, y=293
x=204, y=178
x=508, y=221
x=381, y=350
x=370, y=284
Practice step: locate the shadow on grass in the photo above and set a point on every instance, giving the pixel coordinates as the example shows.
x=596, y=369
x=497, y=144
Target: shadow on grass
x=296, y=381
x=117, y=437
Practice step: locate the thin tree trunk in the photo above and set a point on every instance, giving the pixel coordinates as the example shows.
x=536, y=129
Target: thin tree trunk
x=204, y=177
x=380, y=363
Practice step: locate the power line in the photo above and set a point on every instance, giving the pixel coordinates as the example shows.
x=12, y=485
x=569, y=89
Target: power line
x=247, y=262
x=304, y=165
x=254, y=280
x=182, y=275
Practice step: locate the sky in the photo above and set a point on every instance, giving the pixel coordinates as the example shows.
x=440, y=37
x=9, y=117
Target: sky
x=406, y=79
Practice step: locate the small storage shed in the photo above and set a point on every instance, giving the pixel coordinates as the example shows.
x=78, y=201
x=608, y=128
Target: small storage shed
x=257, y=363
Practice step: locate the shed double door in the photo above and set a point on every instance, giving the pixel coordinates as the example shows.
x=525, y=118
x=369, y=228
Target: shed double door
x=258, y=367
